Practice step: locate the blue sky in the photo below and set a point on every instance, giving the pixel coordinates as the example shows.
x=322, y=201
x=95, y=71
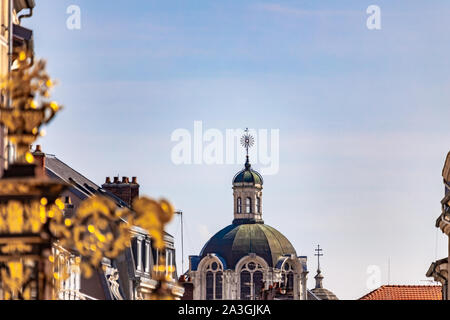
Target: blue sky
x=362, y=116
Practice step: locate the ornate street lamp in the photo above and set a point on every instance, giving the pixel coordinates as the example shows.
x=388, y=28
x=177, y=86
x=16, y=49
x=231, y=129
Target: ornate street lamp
x=29, y=202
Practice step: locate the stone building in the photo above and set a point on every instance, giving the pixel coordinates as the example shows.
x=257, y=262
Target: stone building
x=439, y=270
x=248, y=256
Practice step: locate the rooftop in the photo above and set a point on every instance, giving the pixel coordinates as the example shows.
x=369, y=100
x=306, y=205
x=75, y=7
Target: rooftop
x=405, y=293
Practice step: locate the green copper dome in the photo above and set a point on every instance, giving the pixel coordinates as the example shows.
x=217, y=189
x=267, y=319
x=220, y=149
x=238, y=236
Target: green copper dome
x=239, y=240
x=248, y=175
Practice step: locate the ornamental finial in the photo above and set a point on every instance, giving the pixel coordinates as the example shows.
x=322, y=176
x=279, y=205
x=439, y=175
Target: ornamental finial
x=247, y=141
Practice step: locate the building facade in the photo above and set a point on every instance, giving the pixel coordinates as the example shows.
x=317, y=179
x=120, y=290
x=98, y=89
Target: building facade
x=248, y=257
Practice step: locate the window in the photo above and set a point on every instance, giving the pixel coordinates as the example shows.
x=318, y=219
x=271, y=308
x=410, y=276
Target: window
x=248, y=205
x=147, y=255
x=214, y=276
x=67, y=266
x=209, y=285
x=252, y=281
x=258, y=204
x=239, y=205
x=258, y=284
x=288, y=277
x=246, y=284
x=218, y=292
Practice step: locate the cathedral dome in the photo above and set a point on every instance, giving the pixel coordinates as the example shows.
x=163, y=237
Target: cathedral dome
x=239, y=240
x=248, y=175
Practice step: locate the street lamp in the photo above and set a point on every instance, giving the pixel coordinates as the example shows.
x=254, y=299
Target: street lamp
x=29, y=203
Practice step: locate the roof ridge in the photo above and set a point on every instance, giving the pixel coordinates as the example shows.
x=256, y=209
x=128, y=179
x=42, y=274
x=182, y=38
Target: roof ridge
x=408, y=285
x=71, y=168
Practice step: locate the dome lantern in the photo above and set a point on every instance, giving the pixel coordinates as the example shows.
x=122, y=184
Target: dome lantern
x=247, y=190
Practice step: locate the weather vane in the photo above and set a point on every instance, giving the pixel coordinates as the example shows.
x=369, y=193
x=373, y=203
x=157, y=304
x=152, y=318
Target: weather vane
x=247, y=140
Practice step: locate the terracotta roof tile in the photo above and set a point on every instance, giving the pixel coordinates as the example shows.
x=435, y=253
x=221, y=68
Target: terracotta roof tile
x=405, y=293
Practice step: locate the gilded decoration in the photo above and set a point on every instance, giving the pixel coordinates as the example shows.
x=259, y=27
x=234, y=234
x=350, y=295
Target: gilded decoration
x=28, y=88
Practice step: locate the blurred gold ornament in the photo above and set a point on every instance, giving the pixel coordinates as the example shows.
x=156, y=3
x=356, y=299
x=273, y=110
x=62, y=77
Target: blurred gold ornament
x=96, y=231
x=152, y=216
x=15, y=280
x=28, y=88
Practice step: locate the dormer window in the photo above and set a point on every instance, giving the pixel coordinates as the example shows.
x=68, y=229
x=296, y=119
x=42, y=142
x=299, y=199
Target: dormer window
x=248, y=205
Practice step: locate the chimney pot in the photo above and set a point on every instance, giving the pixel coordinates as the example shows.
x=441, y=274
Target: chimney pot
x=39, y=160
x=123, y=189
x=108, y=180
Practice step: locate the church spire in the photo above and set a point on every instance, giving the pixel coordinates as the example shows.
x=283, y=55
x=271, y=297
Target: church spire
x=319, y=277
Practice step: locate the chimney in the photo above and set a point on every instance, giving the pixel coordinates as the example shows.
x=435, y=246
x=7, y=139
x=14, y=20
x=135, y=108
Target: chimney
x=134, y=188
x=68, y=208
x=39, y=160
x=124, y=190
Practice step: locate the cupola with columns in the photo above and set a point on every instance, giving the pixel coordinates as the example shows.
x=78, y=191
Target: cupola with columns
x=247, y=193
x=247, y=190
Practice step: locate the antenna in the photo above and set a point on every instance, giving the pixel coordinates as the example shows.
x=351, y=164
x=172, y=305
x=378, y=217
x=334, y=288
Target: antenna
x=389, y=270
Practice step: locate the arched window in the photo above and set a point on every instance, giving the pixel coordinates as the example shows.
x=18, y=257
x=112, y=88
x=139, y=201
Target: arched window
x=288, y=277
x=258, y=284
x=251, y=281
x=209, y=285
x=239, y=205
x=248, y=205
x=214, y=275
x=258, y=204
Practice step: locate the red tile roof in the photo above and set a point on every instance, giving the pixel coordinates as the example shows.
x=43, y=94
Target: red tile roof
x=405, y=293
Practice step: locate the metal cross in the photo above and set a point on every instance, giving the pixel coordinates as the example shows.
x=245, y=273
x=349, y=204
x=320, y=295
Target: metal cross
x=318, y=255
